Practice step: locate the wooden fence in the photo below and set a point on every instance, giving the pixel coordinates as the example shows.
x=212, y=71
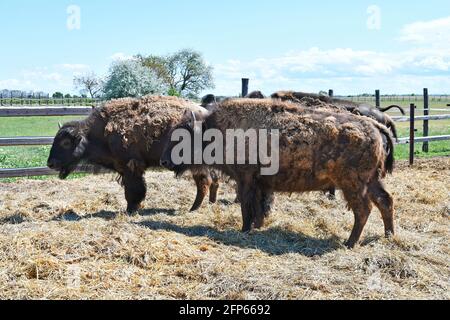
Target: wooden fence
x=45, y=101
x=35, y=141
x=85, y=111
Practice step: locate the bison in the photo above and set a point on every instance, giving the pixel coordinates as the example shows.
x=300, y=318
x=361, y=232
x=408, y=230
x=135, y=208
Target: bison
x=317, y=150
x=356, y=108
x=255, y=95
x=126, y=136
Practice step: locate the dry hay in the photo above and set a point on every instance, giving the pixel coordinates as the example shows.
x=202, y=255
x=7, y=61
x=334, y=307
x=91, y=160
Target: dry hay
x=61, y=240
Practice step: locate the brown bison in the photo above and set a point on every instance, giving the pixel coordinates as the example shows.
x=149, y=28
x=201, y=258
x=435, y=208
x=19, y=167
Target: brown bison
x=317, y=150
x=255, y=95
x=356, y=108
x=126, y=136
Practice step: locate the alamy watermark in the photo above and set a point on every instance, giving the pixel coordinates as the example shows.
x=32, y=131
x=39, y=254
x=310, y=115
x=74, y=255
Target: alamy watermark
x=73, y=277
x=239, y=147
x=374, y=19
x=73, y=18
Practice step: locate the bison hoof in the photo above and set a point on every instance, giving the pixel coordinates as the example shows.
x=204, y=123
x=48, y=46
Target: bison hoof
x=133, y=209
x=195, y=207
x=212, y=199
x=390, y=234
x=350, y=245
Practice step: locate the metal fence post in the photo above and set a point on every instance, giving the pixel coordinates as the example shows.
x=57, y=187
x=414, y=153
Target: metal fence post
x=377, y=99
x=426, y=112
x=245, y=83
x=412, y=133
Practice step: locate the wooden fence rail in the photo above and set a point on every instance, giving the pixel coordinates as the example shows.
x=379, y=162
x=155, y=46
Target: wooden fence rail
x=42, y=171
x=26, y=141
x=45, y=111
x=424, y=139
x=422, y=118
x=8, y=100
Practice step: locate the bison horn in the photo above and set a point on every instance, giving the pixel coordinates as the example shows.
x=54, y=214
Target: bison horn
x=59, y=125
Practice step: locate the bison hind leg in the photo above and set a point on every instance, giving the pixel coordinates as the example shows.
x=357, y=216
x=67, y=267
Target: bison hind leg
x=359, y=202
x=385, y=203
x=203, y=182
x=252, y=205
x=268, y=199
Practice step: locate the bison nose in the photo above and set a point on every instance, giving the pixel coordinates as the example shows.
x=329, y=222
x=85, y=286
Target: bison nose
x=166, y=164
x=52, y=164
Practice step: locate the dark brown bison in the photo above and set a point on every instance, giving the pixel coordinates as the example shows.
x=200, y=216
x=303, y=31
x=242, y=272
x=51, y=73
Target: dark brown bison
x=126, y=136
x=317, y=150
x=256, y=95
x=356, y=108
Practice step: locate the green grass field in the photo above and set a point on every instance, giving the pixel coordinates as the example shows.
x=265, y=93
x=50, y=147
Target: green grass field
x=27, y=157
x=23, y=157
x=437, y=128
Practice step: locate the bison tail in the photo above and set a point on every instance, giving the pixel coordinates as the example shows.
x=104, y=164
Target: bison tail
x=391, y=107
x=390, y=157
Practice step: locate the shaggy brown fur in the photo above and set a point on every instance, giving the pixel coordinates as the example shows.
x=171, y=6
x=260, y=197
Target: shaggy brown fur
x=126, y=136
x=318, y=149
x=360, y=109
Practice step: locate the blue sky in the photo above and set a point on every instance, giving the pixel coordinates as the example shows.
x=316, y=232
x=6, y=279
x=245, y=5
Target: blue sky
x=351, y=46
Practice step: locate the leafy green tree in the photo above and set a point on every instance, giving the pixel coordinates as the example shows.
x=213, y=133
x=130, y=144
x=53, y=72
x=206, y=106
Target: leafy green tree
x=58, y=95
x=130, y=78
x=186, y=71
x=173, y=92
x=67, y=96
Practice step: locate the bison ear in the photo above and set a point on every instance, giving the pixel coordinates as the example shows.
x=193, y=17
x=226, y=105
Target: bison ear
x=81, y=148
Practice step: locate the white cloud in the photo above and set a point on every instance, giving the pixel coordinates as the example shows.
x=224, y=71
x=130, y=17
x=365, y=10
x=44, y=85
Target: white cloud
x=120, y=56
x=74, y=67
x=49, y=79
x=434, y=32
x=425, y=64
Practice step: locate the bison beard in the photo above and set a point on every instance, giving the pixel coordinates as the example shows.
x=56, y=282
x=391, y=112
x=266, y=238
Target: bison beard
x=126, y=136
x=318, y=150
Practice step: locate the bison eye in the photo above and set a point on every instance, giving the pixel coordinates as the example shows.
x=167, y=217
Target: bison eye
x=66, y=144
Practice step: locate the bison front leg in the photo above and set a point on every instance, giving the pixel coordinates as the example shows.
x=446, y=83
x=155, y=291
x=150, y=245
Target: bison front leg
x=135, y=190
x=214, y=188
x=203, y=182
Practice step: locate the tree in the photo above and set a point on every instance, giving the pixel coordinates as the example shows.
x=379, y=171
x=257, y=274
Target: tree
x=185, y=71
x=58, y=95
x=67, y=96
x=130, y=78
x=89, y=83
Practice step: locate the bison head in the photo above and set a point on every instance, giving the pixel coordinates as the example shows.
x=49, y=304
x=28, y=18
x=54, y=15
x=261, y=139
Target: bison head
x=183, y=134
x=68, y=149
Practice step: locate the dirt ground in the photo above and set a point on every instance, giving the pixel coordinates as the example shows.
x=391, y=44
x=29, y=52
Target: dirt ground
x=71, y=240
